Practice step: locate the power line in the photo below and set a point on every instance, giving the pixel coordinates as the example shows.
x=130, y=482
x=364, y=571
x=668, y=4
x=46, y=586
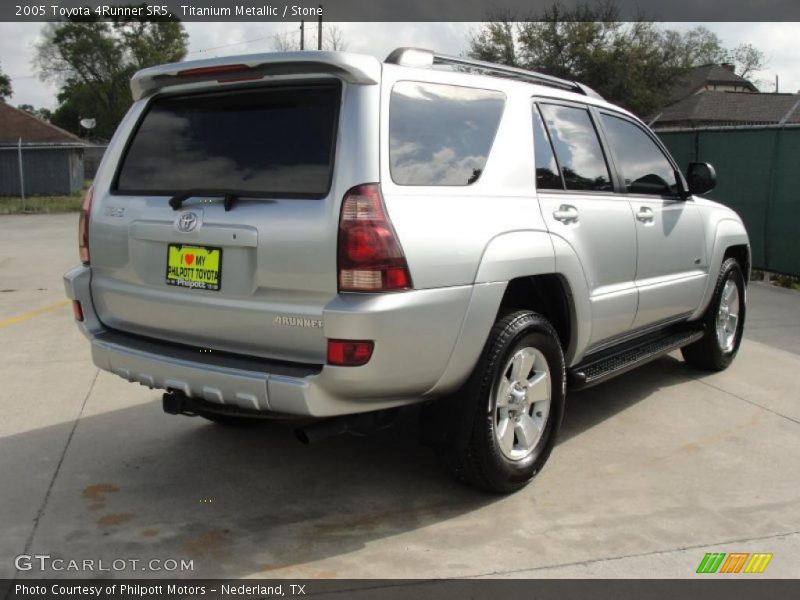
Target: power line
x=273, y=36
x=229, y=45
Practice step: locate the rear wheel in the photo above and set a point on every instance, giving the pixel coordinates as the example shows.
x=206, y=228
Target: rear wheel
x=723, y=320
x=513, y=407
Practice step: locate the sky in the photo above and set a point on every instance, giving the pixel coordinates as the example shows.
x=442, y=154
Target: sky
x=17, y=46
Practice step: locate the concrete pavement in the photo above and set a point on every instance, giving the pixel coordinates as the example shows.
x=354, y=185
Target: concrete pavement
x=774, y=317
x=653, y=469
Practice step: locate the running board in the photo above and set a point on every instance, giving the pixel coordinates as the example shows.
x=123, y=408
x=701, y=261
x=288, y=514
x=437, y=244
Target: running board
x=613, y=362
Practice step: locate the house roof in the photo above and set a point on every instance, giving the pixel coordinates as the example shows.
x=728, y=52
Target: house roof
x=699, y=77
x=730, y=108
x=16, y=124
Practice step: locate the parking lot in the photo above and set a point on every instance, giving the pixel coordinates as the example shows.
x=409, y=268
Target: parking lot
x=652, y=470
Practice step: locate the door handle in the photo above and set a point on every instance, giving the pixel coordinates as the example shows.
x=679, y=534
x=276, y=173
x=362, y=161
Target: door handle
x=566, y=214
x=645, y=215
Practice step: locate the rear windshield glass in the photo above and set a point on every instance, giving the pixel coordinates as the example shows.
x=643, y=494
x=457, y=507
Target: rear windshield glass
x=266, y=142
x=441, y=134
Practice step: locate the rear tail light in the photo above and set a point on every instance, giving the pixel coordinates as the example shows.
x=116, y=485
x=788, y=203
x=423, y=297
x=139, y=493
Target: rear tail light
x=370, y=256
x=77, y=310
x=349, y=353
x=83, y=226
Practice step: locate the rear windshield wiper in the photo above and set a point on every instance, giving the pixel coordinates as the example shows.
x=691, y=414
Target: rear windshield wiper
x=228, y=197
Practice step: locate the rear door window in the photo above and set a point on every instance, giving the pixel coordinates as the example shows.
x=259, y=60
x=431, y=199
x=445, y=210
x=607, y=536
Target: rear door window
x=441, y=134
x=580, y=155
x=268, y=141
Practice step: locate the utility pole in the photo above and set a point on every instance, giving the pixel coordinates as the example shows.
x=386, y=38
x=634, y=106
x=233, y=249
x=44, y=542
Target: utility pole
x=776, y=84
x=319, y=29
x=302, y=35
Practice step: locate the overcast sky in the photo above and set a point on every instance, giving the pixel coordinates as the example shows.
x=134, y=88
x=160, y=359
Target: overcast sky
x=779, y=41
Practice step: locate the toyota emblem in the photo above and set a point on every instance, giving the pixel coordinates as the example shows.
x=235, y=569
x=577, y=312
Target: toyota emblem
x=187, y=222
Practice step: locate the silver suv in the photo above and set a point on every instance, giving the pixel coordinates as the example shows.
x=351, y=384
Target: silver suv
x=323, y=235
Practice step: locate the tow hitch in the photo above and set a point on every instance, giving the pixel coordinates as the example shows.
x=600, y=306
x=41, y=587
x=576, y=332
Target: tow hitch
x=175, y=402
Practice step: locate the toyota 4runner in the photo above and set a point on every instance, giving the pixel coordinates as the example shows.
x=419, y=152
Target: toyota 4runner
x=323, y=235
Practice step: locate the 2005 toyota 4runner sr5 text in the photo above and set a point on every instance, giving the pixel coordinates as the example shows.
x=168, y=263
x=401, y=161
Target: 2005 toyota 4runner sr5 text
x=323, y=235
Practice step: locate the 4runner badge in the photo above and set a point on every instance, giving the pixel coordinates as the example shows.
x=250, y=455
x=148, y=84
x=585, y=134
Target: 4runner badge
x=299, y=322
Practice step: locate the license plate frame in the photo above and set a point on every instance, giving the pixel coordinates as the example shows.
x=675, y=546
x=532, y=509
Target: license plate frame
x=193, y=278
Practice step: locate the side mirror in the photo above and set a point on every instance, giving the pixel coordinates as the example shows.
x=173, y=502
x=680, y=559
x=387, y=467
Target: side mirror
x=701, y=178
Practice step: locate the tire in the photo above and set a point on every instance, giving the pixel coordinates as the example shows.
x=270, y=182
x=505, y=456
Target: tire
x=511, y=407
x=716, y=350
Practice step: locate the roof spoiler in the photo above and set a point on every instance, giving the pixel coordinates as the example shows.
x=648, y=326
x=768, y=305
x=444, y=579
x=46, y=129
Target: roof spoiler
x=353, y=68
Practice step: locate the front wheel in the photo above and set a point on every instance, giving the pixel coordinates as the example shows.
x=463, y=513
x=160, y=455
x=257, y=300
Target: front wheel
x=513, y=405
x=723, y=320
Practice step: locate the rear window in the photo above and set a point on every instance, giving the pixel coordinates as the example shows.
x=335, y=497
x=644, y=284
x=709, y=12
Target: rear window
x=441, y=134
x=275, y=141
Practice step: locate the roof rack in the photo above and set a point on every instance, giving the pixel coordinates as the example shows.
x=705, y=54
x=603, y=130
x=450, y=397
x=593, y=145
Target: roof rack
x=422, y=58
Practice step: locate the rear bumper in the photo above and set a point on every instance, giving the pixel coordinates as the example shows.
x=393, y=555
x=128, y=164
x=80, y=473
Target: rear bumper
x=414, y=332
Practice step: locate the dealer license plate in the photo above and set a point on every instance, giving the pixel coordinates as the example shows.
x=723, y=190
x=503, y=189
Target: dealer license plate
x=196, y=267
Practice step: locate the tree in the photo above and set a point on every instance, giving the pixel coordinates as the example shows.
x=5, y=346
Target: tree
x=747, y=59
x=333, y=39
x=495, y=42
x=5, y=86
x=633, y=64
x=94, y=60
x=40, y=113
x=286, y=41
x=289, y=41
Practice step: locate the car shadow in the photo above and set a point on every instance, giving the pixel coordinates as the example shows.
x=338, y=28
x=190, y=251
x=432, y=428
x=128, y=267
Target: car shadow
x=587, y=408
x=135, y=483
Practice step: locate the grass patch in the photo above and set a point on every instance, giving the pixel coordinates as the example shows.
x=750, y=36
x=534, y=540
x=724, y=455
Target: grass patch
x=786, y=281
x=40, y=204
x=13, y=205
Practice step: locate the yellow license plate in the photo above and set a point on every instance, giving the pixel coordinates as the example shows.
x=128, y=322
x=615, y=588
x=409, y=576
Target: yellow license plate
x=197, y=267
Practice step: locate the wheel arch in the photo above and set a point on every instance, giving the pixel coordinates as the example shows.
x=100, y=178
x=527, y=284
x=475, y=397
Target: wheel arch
x=730, y=240
x=741, y=252
x=518, y=270
x=549, y=295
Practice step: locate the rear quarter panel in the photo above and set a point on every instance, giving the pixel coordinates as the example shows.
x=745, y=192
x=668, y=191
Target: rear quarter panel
x=445, y=230
x=483, y=234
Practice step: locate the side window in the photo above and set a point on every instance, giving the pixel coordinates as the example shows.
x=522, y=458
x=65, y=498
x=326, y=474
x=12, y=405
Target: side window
x=547, y=176
x=577, y=148
x=441, y=134
x=644, y=167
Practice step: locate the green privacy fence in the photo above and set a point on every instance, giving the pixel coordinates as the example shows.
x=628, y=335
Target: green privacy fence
x=758, y=175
